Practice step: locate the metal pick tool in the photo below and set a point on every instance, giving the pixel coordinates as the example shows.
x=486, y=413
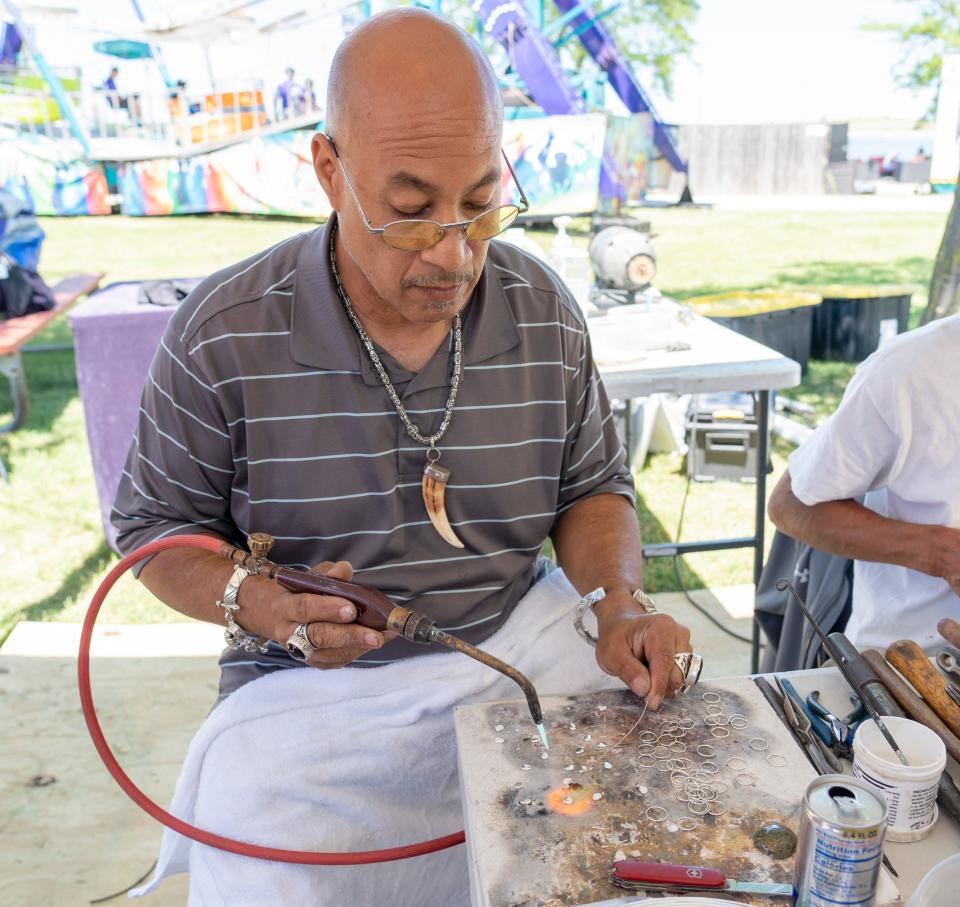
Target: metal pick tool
x=782, y=586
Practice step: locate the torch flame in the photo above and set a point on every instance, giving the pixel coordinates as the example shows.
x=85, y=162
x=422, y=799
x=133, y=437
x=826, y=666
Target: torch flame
x=581, y=798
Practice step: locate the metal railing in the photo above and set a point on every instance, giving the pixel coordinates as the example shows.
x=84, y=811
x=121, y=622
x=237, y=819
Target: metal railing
x=171, y=118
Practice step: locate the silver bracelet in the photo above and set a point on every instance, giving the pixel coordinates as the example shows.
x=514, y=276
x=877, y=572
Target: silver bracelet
x=588, y=601
x=234, y=635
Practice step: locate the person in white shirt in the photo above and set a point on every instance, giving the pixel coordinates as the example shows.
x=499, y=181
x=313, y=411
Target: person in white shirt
x=894, y=441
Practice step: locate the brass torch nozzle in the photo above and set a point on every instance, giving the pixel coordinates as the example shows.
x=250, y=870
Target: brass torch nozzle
x=533, y=701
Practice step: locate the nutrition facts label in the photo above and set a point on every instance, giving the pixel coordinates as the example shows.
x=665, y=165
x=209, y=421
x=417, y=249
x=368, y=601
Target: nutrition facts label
x=844, y=868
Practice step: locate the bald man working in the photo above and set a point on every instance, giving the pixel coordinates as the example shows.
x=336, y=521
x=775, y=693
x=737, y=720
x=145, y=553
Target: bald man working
x=303, y=391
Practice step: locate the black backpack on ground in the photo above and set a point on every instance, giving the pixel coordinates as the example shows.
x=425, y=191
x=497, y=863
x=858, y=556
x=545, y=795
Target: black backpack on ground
x=21, y=291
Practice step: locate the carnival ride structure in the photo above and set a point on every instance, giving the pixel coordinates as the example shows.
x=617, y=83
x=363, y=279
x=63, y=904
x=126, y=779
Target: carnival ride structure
x=105, y=126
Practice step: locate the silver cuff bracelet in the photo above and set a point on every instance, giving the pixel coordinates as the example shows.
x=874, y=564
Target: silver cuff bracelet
x=234, y=635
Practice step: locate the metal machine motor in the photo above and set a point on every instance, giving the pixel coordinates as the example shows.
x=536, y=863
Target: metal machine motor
x=625, y=265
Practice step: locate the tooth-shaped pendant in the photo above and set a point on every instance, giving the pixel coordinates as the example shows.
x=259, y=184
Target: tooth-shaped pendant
x=434, y=485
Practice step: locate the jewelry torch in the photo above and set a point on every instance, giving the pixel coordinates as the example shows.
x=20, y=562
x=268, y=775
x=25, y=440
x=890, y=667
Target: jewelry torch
x=376, y=611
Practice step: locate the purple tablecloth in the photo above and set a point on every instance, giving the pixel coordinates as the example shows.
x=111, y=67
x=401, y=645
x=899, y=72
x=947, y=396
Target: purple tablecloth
x=115, y=339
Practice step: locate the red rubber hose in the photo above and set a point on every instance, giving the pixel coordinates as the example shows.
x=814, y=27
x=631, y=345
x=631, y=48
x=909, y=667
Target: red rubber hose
x=161, y=815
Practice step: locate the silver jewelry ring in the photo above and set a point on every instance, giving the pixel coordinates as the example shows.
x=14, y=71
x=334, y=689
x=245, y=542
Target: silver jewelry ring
x=299, y=646
x=690, y=665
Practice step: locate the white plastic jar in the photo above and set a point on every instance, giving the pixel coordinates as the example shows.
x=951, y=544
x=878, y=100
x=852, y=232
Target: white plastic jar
x=910, y=790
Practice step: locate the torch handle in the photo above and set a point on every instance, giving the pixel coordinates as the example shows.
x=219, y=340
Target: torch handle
x=373, y=607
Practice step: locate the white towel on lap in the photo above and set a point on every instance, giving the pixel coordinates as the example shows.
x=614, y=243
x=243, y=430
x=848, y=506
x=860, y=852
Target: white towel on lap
x=356, y=759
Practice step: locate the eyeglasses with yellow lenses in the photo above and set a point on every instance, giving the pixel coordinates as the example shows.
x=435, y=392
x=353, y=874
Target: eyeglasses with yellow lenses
x=415, y=235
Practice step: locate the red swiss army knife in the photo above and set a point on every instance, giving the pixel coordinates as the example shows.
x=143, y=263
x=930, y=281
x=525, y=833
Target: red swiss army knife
x=640, y=875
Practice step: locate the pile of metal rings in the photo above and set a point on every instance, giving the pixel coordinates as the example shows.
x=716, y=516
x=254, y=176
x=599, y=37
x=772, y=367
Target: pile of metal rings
x=696, y=781
x=717, y=720
x=695, y=769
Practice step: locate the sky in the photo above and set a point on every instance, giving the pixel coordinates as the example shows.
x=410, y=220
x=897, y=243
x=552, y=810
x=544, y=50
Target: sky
x=782, y=61
x=754, y=61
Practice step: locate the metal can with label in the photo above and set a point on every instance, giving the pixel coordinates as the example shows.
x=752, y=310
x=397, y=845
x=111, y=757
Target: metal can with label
x=841, y=843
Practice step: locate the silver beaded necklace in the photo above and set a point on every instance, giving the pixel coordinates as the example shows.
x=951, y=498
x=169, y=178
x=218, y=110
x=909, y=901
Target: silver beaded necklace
x=433, y=483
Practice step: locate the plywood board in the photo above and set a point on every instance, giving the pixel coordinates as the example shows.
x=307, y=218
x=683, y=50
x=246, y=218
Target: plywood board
x=68, y=834
x=543, y=826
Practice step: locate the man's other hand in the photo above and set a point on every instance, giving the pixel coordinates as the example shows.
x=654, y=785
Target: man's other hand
x=329, y=621
x=639, y=648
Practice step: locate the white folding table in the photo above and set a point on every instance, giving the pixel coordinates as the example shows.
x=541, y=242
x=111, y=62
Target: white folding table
x=642, y=350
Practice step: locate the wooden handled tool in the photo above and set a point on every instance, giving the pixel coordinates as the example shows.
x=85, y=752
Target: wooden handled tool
x=950, y=630
x=911, y=703
x=909, y=659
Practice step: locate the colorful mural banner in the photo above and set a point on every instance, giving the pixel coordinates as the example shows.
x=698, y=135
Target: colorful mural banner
x=557, y=161
x=50, y=176
x=271, y=174
x=628, y=150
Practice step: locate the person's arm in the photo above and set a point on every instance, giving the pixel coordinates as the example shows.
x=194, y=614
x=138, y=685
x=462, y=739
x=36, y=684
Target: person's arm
x=847, y=528
x=597, y=542
x=178, y=479
x=597, y=538
x=191, y=581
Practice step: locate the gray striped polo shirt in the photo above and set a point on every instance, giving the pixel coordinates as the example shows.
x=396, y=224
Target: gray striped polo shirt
x=262, y=412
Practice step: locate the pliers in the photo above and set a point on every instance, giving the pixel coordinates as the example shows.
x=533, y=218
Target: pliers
x=821, y=754
x=817, y=724
x=842, y=730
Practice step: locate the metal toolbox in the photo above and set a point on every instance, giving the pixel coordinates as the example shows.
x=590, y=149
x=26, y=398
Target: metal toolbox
x=723, y=439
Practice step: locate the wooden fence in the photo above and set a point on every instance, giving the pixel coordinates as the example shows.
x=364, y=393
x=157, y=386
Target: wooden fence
x=770, y=159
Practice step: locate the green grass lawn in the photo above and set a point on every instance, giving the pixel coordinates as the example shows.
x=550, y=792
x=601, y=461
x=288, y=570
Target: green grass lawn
x=52, y=545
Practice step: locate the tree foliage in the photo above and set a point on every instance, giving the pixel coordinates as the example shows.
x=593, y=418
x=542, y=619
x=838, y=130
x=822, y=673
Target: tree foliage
x=933, y=30
x=656, y=33
x=652, y=34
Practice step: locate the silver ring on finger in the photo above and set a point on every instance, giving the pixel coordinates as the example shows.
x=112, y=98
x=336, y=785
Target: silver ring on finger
x=690, y=665
x=298, y=646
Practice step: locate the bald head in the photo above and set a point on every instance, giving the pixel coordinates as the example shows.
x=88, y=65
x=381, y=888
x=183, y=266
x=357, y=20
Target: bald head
x=406, y=69
x=414, y=108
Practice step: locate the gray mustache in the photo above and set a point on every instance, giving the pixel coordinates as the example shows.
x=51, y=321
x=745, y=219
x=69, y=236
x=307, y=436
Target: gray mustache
x=437, y=280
